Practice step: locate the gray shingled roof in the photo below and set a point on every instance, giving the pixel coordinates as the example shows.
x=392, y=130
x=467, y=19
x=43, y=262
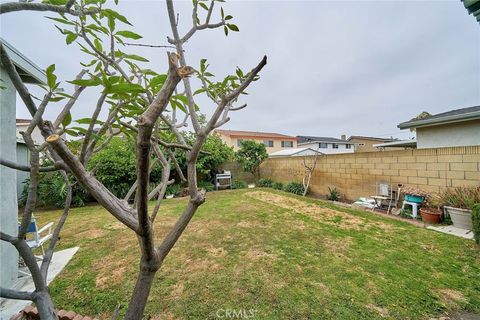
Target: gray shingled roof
x=473, y=8
x=304, y=139
x=457, y=115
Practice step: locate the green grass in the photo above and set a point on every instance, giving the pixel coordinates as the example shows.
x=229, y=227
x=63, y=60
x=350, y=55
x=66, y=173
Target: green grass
x=283, y=256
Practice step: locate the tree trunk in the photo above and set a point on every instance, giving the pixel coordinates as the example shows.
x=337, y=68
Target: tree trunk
x=44, y=305
x=136, y=307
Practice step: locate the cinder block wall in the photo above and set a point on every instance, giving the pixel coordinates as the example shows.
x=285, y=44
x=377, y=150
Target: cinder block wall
x=357, y=174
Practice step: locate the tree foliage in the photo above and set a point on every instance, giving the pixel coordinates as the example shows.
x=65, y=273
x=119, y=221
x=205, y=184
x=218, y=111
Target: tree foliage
x=251, y=155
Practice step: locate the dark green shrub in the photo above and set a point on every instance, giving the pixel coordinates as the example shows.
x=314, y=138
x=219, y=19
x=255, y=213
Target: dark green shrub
x=115, y=166
x=52, y=191
x=333, y=194
x=277, y=185
x=265, y=183
x=172, y=189
x=476, y=222
x=294, y=187
x=208, y=163
x=251, y=155
x=239, y=184
x=208, y=186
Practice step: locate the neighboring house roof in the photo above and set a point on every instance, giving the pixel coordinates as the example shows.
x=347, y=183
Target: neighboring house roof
x=473, y=7
x=294, y=152
x=370, y=138
x=457, y=115
x=253, y=134
x=309, y=139
x=27, y=70
x=398, y=144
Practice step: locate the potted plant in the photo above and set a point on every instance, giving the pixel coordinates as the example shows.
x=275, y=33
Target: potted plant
x=458, y=204
x=430, y=211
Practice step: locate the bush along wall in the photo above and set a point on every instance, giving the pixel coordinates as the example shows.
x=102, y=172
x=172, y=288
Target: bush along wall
x=476, y=222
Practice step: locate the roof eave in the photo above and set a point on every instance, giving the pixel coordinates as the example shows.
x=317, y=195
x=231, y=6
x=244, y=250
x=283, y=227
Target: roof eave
x=28, y=71
x=438, y=121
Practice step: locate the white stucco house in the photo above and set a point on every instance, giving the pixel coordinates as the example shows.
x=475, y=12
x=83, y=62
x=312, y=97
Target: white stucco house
x=459, y=127
x=326, y=145
x=296, y=152
x=32, y=74
x=23, y=154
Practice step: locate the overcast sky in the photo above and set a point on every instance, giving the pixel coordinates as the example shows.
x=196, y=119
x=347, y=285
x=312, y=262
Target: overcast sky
x=339, y=67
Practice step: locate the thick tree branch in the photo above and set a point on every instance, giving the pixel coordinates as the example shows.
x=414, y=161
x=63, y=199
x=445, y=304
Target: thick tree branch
x=91, y=126
x=14, y=294
x=30, y=6
x=23, y=167
x=118, y=208
x=145, y=128
x=47, y=258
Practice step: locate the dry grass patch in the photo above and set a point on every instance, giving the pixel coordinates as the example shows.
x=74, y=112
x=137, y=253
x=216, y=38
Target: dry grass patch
x=383, y=312
x=452, y=298
x=328, y=216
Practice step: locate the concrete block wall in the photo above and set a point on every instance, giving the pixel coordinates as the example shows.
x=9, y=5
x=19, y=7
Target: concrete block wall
x=357, y=174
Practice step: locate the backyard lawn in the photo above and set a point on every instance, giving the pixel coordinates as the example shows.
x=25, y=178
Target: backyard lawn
x=274, y=254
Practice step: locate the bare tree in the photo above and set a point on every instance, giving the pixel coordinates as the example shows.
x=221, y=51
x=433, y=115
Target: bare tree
x=142, y=103
x=309, y=168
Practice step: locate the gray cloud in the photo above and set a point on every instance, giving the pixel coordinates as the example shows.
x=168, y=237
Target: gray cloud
x=353, y=67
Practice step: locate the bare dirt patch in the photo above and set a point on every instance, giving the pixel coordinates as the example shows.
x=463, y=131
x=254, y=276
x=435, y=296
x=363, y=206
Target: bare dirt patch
x=383, y=312
x=217, y=252
x=451, y=297
x=337, y=246
x=176, y=291
x=115, y=226
x=111, y=271
x=92, y=234
x=256, y=253
x=328, y=216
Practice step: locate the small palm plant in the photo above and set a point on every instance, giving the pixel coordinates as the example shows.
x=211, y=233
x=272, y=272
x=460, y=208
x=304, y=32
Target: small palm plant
x=333, y=194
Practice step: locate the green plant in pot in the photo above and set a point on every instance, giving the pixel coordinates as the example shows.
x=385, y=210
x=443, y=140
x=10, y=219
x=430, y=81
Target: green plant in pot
x=458, y=203
x=430, y=211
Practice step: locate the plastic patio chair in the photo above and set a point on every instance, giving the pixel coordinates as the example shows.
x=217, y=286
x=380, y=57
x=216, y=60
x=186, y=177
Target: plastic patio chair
x=37, y=237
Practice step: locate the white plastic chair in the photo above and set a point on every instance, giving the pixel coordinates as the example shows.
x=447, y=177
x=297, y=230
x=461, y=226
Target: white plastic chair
x=37, y=237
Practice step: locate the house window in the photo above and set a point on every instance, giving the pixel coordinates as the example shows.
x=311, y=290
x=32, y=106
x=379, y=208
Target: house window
x=323, y=145
x=334, y=146
x=268, y=143
x=361, y=145
x=287, y=144
x=348, y=146
x=239, y=142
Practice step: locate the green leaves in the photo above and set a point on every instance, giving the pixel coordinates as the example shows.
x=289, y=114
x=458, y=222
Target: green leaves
x=67, y=120
x=125, y=88
x=129, y=35
x=157, y=82
x=135, y=57
x=86, y=82
x=116, y=15
x=203, y=5
x=71, y=37
x=179, y=102
x=111, y=23
x=232, y=27
x=51, y=77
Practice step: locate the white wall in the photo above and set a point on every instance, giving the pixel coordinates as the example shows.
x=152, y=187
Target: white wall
x=36, y=134
x=449, y=135
x=329, y=150
x=8, y=190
